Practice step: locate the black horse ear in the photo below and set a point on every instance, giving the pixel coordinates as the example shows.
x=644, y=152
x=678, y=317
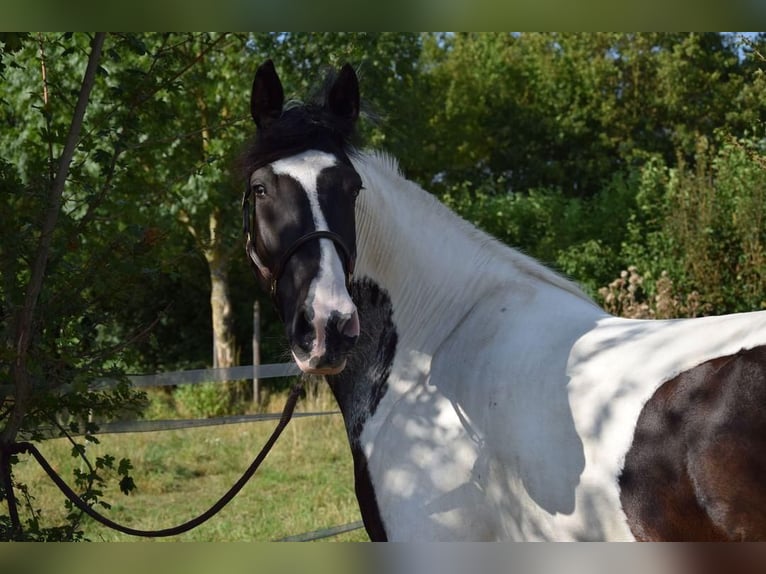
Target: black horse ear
x=343, y=98
x=267, y=97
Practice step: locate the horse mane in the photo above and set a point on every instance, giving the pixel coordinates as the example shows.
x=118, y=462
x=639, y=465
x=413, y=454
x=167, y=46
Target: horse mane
x=491, y=248
x=386, y=161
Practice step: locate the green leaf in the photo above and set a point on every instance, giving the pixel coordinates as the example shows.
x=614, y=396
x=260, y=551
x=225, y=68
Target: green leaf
x=127, y=485
x=124, y=467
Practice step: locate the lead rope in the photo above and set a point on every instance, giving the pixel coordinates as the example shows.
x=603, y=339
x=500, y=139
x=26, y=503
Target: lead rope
x=26, y=447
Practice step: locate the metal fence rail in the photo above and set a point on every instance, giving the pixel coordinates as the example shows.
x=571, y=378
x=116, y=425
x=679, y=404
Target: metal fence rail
x=222, y=375
x=323, y=533
x=194, y=377
x=190, y=377
x=118, y=427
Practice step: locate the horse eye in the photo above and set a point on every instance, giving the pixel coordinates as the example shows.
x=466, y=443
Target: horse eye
x=259, y=189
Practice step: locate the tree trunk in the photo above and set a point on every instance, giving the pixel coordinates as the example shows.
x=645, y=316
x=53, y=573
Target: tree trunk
x=224, y=342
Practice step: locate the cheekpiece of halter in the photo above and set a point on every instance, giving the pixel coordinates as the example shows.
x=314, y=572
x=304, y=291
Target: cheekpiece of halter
x=272, y=277
x=259, y=268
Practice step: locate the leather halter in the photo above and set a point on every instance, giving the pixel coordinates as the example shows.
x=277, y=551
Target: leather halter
x=273, y=276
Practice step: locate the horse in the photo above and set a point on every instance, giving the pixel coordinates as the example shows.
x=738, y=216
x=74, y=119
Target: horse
x=485, y=396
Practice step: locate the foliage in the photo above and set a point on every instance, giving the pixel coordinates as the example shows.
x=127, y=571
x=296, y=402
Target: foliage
x=91, y=481
x=703, y=224
x=638, y=150
x=84, y=329
x=51, y=310
x=203, y=401
x=568, y=111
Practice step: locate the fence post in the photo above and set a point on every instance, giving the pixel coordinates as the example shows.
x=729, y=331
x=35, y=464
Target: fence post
x=256, y=351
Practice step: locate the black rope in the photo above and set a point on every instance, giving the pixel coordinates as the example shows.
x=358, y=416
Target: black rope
x=26, y=447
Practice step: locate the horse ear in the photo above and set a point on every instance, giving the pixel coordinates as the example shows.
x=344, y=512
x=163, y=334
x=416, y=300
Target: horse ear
x=343, y=99
x=267, y=97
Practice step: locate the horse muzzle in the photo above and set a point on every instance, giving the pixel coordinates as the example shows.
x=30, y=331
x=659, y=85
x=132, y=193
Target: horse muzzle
x=321, y=344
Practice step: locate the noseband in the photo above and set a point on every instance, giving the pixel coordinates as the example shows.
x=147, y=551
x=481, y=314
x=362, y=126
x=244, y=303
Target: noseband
x=272, y=277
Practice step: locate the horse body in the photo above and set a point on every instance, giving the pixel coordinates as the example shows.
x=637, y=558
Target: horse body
x=485, y=397
x=515, y=395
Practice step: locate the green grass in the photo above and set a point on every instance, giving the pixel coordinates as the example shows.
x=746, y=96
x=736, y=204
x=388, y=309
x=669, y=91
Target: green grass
x=305, y=484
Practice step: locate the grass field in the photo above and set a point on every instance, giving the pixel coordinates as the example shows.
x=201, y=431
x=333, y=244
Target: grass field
x=305, y=484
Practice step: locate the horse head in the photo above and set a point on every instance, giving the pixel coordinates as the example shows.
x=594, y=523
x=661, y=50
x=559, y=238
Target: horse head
x=299, y=215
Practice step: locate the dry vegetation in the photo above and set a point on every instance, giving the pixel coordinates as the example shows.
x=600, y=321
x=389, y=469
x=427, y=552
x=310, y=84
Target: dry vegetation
x=627, y=297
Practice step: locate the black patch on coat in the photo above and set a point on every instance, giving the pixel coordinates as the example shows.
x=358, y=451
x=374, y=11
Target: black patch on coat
x=696, y=469
x=361, y=386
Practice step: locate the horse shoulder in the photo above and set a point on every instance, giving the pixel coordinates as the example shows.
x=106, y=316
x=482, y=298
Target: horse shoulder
x=506, y=376
x=421, y=461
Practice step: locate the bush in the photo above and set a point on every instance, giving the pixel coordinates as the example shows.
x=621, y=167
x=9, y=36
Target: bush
x=627, y=297
x=702, y=222
x=580, y=237
x=205, y=400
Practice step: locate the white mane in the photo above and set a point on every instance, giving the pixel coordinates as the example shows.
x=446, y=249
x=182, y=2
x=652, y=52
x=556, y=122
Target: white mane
x=383, y=172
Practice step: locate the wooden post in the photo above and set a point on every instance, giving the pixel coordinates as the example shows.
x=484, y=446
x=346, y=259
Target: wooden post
x=256, y=351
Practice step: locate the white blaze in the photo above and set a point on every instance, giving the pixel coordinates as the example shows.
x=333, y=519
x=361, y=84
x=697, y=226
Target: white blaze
x=327, y=292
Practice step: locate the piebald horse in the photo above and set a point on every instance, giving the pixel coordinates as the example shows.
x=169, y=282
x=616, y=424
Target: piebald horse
x=485, y=397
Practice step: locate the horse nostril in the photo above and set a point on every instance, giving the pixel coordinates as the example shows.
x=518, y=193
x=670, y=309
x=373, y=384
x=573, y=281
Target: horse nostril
x=345, y=328
x=349, y=327
x=303, y=329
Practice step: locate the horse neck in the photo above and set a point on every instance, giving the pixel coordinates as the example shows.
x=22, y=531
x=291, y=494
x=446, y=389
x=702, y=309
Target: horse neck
x=435, y=266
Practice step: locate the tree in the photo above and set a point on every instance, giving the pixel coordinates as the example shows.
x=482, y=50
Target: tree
x=47, y=341
x=209, y=109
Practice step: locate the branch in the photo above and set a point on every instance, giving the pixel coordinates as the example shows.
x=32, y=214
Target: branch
x=143, y=98
x=135, y=336
x=184, y=218
x=46, y=104
x=23, y=323
x=202, y=53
